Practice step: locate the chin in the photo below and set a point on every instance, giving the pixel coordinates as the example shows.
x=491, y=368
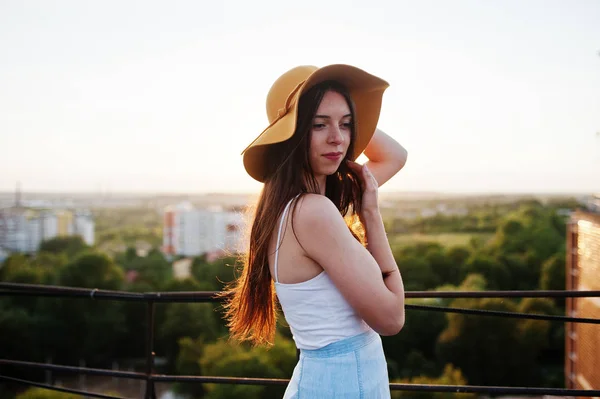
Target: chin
x=327, y=170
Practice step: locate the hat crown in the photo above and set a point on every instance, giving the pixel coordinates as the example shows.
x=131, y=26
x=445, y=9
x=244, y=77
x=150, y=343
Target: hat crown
x=283, y=87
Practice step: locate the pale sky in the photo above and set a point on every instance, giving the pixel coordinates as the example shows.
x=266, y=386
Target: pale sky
x=149, y=96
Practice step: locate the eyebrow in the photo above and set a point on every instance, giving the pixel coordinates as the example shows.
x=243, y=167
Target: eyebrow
x=329, y=117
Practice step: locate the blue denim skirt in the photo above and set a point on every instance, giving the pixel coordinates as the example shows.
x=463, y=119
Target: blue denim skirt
x=351, y=368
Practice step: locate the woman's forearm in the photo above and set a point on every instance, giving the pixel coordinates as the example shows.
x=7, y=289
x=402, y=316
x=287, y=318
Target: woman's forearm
x=383, y=148
x=378, y=245
x=386, y=156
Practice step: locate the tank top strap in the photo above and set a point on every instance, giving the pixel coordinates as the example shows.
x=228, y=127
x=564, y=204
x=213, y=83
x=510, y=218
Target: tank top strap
x=283, y=215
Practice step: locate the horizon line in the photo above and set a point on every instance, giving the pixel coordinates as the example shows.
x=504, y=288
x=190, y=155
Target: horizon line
x=244, y=193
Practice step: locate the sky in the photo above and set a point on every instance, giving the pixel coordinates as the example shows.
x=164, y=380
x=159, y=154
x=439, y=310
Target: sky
x=162, y=96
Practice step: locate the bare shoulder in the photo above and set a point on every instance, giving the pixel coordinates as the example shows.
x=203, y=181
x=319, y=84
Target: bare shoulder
x=314, y=203
x=316, y=214
x=321, y=229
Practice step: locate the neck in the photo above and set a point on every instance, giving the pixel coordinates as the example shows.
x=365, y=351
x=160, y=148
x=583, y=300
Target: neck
x=322, y=181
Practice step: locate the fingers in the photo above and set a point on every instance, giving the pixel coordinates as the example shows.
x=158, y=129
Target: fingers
x=354, y=166
x=371, y=183
x=367, y=180
x=359, y=170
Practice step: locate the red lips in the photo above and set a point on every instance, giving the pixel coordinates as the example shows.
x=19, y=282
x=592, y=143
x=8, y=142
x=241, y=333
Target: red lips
x=334, y=156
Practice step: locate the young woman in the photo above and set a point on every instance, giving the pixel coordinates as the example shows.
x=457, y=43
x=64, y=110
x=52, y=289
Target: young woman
x=317, y=242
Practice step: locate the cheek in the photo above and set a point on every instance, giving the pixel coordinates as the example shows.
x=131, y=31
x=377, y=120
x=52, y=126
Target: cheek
x=314, y=145
x=316, y=139
x=347, y=138
x=313, y=142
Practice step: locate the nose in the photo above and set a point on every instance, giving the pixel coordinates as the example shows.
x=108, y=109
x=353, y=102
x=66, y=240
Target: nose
x=335, y=135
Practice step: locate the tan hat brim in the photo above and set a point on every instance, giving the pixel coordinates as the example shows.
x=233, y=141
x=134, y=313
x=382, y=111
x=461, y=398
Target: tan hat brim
x=366, y=91
x=279, y=132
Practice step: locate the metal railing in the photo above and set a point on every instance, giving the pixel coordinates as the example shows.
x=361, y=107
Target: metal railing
x=151, y=298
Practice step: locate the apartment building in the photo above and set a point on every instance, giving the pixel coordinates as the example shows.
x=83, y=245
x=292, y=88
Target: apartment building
x=23, y=229
x=582, y=359
x=191, y=232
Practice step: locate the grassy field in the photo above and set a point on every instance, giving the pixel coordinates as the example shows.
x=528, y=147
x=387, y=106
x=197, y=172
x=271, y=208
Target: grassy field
x=445, y=239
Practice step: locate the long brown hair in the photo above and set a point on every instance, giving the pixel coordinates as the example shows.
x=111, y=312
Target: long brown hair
x=250, y=301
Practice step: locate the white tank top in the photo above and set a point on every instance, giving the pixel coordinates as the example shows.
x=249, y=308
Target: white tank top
x=315, y=310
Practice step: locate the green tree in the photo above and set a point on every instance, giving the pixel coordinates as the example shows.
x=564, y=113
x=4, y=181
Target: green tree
x=417, y=273
x=188, y=284
x=22, y=339
x=92, y=270
x=443, y=266
x=497, y=350
x=553, y=272
x=213, y=276
x=522, y=275
x=185, y=320
x=228, y=358
x=85, y=327
x=535, y=339
x=496, y=273
x=473, y=282
x=17, y=329
x=486, y=349
x=12, y=265
x=532, y=231
x=41, y=393
x=411, y=353
x=188, y=363
x=67, y=244
x=457, y=256
x=415, y=364
x=153, y=269
x=136, y=321
x=450, y=376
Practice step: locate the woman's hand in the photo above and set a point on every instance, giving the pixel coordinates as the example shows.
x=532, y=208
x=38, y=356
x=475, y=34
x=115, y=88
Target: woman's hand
x=370, y=204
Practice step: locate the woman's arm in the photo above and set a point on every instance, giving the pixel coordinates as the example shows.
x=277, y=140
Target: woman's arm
x=370, y=282
x=379, y=247
x=386, y=157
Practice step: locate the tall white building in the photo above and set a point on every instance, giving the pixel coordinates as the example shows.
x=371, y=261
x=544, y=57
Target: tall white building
x=24, y=229
x=192, y=232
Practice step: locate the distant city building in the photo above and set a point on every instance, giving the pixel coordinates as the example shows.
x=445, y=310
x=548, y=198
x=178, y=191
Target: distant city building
x=582, y=347
x=191, y=232
x=24, y=229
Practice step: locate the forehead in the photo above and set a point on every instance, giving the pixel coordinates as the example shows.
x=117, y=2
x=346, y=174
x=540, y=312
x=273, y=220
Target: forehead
x=333, y=104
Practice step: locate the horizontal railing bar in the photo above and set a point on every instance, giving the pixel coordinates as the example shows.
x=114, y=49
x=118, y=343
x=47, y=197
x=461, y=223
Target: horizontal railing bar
x=53, y=290
x=75, y=369
x=60, y=389
x=219, y=380
x=504, y=294
x=494, y=389
x=96, y=295
x=496, y=313
x=279, y=381
x=14, y=289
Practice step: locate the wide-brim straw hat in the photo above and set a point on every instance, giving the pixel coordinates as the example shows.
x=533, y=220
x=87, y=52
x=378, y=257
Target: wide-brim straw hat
x=366, y=91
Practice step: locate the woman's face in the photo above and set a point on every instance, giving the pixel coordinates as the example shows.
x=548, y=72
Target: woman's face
x=330, y=134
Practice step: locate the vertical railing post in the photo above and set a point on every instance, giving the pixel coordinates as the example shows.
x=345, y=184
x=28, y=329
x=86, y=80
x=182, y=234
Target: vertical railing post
x=150, y=393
